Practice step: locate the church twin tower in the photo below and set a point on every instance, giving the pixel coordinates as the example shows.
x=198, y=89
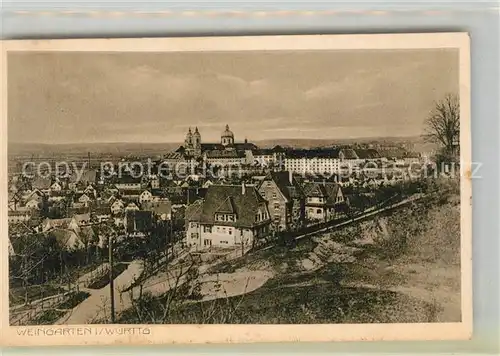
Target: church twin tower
x=192, y=144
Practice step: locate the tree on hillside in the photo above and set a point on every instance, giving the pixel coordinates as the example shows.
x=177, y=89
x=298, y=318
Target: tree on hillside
x=443, y=125
x=183, y=299
x=35, y=258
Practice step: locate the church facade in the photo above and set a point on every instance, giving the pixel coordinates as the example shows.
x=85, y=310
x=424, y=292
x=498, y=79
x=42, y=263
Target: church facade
x=194, y=147
x=226, y=152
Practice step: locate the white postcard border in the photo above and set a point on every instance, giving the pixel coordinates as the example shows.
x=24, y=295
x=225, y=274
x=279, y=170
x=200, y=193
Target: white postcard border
x=180, y=334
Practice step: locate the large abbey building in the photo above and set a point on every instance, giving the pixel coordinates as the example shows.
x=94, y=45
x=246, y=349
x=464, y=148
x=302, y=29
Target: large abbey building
x=194, y=147
x=226, y=152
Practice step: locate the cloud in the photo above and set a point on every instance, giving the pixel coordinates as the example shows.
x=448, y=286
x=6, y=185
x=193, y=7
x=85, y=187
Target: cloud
x=118, y=96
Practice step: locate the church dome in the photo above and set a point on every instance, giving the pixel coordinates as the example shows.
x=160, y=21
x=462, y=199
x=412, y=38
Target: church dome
x=227, y=132
x=197, y=133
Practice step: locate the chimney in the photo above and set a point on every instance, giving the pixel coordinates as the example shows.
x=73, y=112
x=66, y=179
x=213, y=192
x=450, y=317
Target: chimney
x=290, y=177
x=243, y=188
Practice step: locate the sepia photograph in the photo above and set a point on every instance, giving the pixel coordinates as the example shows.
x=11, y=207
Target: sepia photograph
x=313, y=182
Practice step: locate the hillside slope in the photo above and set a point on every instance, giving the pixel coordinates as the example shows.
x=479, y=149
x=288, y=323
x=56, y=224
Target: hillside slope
x=401, y=267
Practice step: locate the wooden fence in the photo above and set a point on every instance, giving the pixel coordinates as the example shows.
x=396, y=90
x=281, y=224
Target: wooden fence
x=23, y=315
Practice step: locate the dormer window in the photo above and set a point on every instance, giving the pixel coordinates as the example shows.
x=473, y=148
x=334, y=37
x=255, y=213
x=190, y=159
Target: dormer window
x=225, y=217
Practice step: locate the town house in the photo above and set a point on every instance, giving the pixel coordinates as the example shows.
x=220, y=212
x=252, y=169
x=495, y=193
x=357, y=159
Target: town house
x=56, y=196
x=228, y=216
x=56, y=187
x=131, y=194
x=154, y=182
x=18, y=216
x=84, y=199
x=117, y=207
x=65, y=223
x=285, y=200
x=129, y=182
x=90, y=191
x=32, y=194
x=145, y=196
x=323, y=200
x=34, y=203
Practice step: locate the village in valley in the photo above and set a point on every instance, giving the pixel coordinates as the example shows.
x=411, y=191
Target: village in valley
x=121, y=241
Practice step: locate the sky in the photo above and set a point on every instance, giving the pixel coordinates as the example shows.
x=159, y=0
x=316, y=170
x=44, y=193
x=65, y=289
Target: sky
x=89, y=97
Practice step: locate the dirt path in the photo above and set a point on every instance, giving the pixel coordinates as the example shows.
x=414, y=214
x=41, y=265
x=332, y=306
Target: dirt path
x=223, y=285
x=24, y=313
x=98, y=304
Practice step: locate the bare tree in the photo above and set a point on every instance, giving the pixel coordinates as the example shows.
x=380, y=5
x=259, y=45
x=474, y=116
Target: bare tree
x=184, y=287
x=443, y=124
x=27, y=265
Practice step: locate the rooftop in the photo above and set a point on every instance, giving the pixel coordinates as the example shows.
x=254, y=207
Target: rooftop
x=242, y=201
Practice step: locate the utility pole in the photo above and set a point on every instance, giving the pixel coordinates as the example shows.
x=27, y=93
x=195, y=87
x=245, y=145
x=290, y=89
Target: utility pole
x=111, y=281
x=172, y=242
x=165, y=228
x=242, y=243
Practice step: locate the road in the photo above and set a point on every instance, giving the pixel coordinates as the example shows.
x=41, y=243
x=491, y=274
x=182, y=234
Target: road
x=98, y=304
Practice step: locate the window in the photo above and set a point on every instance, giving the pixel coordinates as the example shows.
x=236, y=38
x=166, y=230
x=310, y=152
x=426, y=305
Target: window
x=276, y=206
x=207, y=229
x=230, y=232
x=274, y=195
x=224, y=217
x=319, y=211
x=207, y=242
x=194, y=225
x=224, y=242
x=194, y=236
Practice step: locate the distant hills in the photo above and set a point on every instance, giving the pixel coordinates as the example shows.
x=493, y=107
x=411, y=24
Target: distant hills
x=310, y=143
x=105, y=149
x=155, y=149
